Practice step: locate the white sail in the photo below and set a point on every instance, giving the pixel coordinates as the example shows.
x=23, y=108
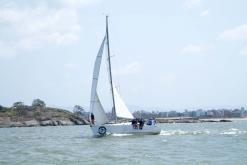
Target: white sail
x=95, y=104
x=120, y=107
x=98, y=111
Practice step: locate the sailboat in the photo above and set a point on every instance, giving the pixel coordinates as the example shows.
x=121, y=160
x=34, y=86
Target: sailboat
x=99, y=122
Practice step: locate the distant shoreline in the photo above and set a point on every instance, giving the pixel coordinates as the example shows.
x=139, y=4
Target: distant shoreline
x=232, y=119
x=197, y=120
x=20, y=115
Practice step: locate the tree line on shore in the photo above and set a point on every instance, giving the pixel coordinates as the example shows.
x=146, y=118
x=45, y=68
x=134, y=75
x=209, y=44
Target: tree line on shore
x=40, y=111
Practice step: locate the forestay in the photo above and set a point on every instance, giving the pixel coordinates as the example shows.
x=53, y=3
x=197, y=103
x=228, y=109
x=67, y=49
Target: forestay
x=120, y=107
x=95, y=104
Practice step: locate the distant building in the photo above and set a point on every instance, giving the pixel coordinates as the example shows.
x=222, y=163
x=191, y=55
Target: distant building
x=243, y=112
x=186, y=113
x=199, y=113
x=172, y=114
x=193, y=114
x=227, y=113
x=163, y=114
x=237, y=113
x=209, y=114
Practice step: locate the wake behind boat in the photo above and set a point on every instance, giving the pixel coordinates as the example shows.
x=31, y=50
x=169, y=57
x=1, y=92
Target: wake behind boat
x=99, y=122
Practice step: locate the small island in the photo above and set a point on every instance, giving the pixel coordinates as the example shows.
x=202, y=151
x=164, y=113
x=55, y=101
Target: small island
x=21, y=115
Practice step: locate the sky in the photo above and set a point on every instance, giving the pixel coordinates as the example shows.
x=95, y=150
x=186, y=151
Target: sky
x=167, y=55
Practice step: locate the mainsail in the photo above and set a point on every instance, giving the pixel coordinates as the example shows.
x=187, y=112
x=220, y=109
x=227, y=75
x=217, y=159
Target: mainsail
x=120, y=107
x=95, y=104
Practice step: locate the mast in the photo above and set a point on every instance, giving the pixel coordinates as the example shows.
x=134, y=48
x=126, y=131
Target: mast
x=110, y=74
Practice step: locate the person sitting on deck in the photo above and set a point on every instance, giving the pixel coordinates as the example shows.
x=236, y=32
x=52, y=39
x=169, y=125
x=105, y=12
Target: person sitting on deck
x=92, y=118
x=151, y=121
x=134, y=123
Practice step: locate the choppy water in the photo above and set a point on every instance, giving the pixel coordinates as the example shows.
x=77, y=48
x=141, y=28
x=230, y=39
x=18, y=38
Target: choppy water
x=207, y=143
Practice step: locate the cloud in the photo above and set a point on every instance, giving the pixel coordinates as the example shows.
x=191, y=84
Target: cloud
x=71, y=66
x=168, y=79
x=77, y=3
x=194, y=49
x=6, y=51
x=236, y=33
x=190, y=4
x=132, y=68
x=36, y=24
x=243, y=52
x=205, y=13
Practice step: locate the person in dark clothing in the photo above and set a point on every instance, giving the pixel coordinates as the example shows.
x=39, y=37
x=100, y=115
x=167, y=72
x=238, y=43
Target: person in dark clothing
x=141, y=121
x=149, y=122
x=92, y=118
x=134, y=123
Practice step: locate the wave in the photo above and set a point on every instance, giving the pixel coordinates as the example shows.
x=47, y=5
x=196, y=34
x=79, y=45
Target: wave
x=233, y=131
x=120, y=135
x=180, y=132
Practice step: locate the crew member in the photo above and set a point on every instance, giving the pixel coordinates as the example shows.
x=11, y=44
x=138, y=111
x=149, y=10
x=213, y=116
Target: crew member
x=141, y=121
x=134, y=123
x=92, y=118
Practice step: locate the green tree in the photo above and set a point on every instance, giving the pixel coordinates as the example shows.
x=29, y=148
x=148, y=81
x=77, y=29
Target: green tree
x=18, y=104
x=79, y=110
x=38, y=103
x=19, y=108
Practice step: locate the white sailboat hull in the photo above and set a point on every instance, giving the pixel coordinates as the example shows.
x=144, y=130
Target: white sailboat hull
x=124, y=128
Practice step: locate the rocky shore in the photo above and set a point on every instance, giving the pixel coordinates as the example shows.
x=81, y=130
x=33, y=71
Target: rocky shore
x=37, y=116
x=7, y=122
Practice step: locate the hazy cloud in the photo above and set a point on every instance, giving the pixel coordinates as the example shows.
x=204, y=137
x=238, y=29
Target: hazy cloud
x=78, y=3
x=243, y=52
x=204, y=13
x=194, y=49
x=168, y=79
x=190, y=4
x=33, y=25
x=132, y=68
x=6, y=51
x=236, y=33
x=71, y=66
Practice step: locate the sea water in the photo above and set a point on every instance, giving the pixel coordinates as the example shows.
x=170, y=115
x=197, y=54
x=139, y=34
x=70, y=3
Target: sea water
x=198, y=143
